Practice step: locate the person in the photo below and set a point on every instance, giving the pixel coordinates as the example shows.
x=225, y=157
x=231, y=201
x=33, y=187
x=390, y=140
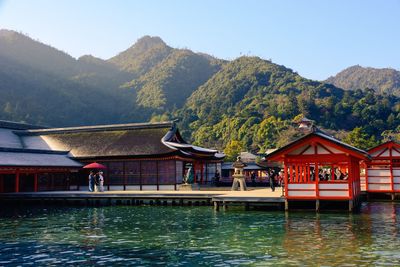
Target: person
x=217, y=177
x=91, y=181
x=96, y=182
x=101, y=182
x=253, y=178
x=271, y=181
x=280, y=178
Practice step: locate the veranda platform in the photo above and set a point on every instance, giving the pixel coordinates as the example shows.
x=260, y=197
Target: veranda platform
x=260, y=196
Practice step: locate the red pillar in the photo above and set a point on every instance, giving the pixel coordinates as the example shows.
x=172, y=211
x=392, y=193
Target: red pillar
x=194, y=173
x=391, y=169
x=124, y=173
x=17, y=181
x=201, y=173
x=285, y=172
x=366, y=176
x=316, y=174
x=350, y=167
x=35, y=182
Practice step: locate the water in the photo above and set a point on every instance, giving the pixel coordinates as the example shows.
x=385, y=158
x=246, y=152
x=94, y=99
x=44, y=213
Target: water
x=199, y=236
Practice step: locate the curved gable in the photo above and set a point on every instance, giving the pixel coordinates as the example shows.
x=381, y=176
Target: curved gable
x=314, y=145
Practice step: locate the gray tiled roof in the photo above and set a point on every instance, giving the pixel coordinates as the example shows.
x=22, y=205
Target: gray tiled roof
x=26, y=158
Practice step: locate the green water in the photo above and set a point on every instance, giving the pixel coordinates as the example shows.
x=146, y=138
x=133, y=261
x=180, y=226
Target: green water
x=199, y=236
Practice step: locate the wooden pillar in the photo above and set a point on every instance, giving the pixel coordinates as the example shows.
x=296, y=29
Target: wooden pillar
x=17, y=181
x=285, y=174
x=194, y=173
x=391, y=169
x=317, y=205
x=157, y=175
x=140, y=175
x=175, y=175
x=366, y=177
x=206, y=180
x=350, y=179
x=124, y=173
x=35, y=182
x=108, y=176
x=201, y=172
x=316, y=174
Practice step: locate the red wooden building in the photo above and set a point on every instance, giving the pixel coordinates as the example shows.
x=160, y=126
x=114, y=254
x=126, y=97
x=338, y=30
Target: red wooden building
x=382, y=173
x=24, y=169
x=319, y=167
x=138, y=156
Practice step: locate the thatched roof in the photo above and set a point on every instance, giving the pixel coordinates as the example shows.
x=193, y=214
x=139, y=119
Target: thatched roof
x=120, y=140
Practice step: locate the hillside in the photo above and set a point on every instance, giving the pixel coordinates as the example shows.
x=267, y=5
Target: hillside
x=356, y=77
x=40, y=84
x=253, y=101
x=244, y=104
x=175, y=78
x=148, y=78
x=141, y=57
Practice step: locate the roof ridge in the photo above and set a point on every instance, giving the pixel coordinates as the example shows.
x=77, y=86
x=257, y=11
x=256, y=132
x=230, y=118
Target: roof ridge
x=105, y=127
x=27, y=150
x=19, y=125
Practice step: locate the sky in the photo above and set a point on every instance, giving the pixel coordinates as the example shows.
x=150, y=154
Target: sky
x=317, y=39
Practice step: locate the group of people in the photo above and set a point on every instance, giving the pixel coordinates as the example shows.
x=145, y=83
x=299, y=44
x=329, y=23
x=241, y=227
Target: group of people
x=272, y=176
x=96, y=181
x=326, y=175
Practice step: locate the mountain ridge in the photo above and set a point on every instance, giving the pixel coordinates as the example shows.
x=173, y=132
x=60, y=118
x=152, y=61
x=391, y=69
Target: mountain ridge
x=247, y=103
x=382, y=80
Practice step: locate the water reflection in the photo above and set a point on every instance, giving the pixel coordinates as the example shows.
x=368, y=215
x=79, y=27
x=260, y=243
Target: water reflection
x=187, y=236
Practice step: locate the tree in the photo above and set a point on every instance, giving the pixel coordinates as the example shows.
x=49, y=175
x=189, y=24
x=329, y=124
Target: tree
x=358, y=138
x=232, y=150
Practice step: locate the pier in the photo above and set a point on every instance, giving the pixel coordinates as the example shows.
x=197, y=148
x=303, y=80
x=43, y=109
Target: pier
x=256, y=197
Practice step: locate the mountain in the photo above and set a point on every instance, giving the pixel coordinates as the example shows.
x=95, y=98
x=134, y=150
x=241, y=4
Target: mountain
x=356, y=77
x=141, y=57
x=245, y=104
x=174, y=79
x=253, y=102
x=40, y=84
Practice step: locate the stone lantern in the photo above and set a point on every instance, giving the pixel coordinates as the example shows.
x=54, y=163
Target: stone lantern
x=238, y=176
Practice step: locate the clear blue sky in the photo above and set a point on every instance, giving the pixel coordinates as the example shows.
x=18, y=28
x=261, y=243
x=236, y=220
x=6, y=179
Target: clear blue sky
x=315, y=38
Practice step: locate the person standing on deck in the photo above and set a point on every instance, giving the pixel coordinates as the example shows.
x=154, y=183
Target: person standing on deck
x=272, y=181
x=101, y=182
x=91, y=181
x=253, y=178
x=96, y=182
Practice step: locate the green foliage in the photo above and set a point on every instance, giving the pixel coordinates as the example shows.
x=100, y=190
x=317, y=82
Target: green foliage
x=381, y=80
x=255, y=101
x=245, y=104
x=360, y=139
x=233, y=149
x=174, y=80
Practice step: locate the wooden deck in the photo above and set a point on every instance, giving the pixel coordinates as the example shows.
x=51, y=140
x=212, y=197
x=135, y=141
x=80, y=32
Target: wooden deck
x=225, y=197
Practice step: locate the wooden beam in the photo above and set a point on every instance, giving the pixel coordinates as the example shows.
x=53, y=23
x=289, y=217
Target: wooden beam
x=17, y=181
x=304, y=150
x=324, y=147
x=383, y=151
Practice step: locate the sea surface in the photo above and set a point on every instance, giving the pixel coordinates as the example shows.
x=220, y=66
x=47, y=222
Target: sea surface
x=198, y=236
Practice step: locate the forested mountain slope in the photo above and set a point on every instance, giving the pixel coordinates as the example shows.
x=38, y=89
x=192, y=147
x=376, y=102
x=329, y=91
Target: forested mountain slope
x=356, y=77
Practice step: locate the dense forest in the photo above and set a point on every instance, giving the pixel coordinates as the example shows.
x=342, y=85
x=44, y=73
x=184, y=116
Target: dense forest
x=356, y=77
x=245, y=104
